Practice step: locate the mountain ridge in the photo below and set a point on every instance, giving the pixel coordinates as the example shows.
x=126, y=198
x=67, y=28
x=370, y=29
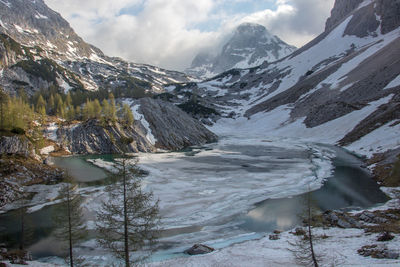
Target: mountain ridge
x=34, y=25
x=250, y=45
x=341, y=88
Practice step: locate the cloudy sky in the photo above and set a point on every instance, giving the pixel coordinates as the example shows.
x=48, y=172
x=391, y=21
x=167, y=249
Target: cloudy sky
x=169, y=33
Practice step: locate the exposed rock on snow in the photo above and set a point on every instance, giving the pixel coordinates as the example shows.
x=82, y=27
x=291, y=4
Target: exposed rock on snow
x=378, y=251
x=198, y=249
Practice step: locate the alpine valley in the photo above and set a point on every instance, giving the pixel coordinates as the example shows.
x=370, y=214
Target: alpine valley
x=234, y=148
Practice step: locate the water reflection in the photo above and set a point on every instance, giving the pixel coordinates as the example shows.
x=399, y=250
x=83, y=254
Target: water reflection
x=351, y=187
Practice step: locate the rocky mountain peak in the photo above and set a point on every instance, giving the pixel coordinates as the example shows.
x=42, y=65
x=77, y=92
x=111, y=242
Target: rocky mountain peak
x=250, y=28
x=32, y=22
x=250, y=45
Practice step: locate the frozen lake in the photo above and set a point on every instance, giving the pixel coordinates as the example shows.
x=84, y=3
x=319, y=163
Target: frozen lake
x=234, y=190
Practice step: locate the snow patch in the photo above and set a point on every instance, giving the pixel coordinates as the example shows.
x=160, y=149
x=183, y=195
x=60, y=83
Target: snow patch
x=138, y=116
x=278, y=123
x=8, y=4
x=374, y=143
x=107, y=165
x=63, y=84
x=394, y=83
x=46, y=150
x=40, y=16
x=51, y=132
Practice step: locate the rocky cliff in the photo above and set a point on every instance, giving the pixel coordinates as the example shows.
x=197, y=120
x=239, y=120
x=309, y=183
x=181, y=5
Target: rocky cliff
x=173, y=128
x=158, y=125
x=93, y=137
x=19, y=166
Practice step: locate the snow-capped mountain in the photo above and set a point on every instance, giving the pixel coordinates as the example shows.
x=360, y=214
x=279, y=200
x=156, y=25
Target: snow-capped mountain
x=341, y=88
x=250, y=46
x=35, y=37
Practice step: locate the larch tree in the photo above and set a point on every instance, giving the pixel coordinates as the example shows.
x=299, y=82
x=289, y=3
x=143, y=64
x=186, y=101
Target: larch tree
x=71, y=227
x=128, y=221
x=3, y=104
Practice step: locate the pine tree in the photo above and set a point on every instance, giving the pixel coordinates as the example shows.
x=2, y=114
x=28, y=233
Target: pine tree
x=129, y=224
x=69, y=220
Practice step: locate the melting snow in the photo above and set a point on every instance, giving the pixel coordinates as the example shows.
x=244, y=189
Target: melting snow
x=374, y=143
x=140, y=117
x=8, y=4
x=393, y=83
x=46, y=150
x=51, y=132
x=40, y=16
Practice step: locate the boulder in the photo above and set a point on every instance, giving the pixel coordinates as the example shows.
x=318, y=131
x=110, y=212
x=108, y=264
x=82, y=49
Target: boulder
x=378, y=252
x=385, y=236
x=199, y=249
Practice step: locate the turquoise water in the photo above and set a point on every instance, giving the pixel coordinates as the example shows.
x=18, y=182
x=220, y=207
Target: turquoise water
x=350, y=187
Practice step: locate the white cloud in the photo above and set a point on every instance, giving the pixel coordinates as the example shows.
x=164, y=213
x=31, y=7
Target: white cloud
x=164, y=32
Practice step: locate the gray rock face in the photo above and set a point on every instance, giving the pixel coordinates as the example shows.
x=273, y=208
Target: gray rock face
x=250, y=45
x=341, y=9
x=93, y=138
x=14, y=145
x=173, y=128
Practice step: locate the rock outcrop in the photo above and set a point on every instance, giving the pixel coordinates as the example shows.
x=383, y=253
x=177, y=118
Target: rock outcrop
x=14, y=145
x=173, y=128
x=198, y=249
x=93, y=137
x=19, y=166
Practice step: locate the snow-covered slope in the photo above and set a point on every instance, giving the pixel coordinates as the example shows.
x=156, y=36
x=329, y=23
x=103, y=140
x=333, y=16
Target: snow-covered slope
x=340, y=88
x=250, y=46
x=74, y=63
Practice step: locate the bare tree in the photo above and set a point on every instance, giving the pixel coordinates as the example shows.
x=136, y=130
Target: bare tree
x=304, y=247
x=128, y=226
x=69, y=220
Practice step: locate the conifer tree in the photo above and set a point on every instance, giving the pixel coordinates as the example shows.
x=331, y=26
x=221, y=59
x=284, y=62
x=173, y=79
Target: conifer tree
x=3, y=104
x=69, y=220
x=96, y=109
x=128, y=220
x=41, y=105
x=127, y=115
x=113, y=108
x=51, y=105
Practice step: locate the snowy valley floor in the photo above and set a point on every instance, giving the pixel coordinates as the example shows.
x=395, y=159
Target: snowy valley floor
x=334, y=246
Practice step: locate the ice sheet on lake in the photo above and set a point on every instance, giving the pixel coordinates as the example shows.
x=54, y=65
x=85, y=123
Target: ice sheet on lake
x=215, y=184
